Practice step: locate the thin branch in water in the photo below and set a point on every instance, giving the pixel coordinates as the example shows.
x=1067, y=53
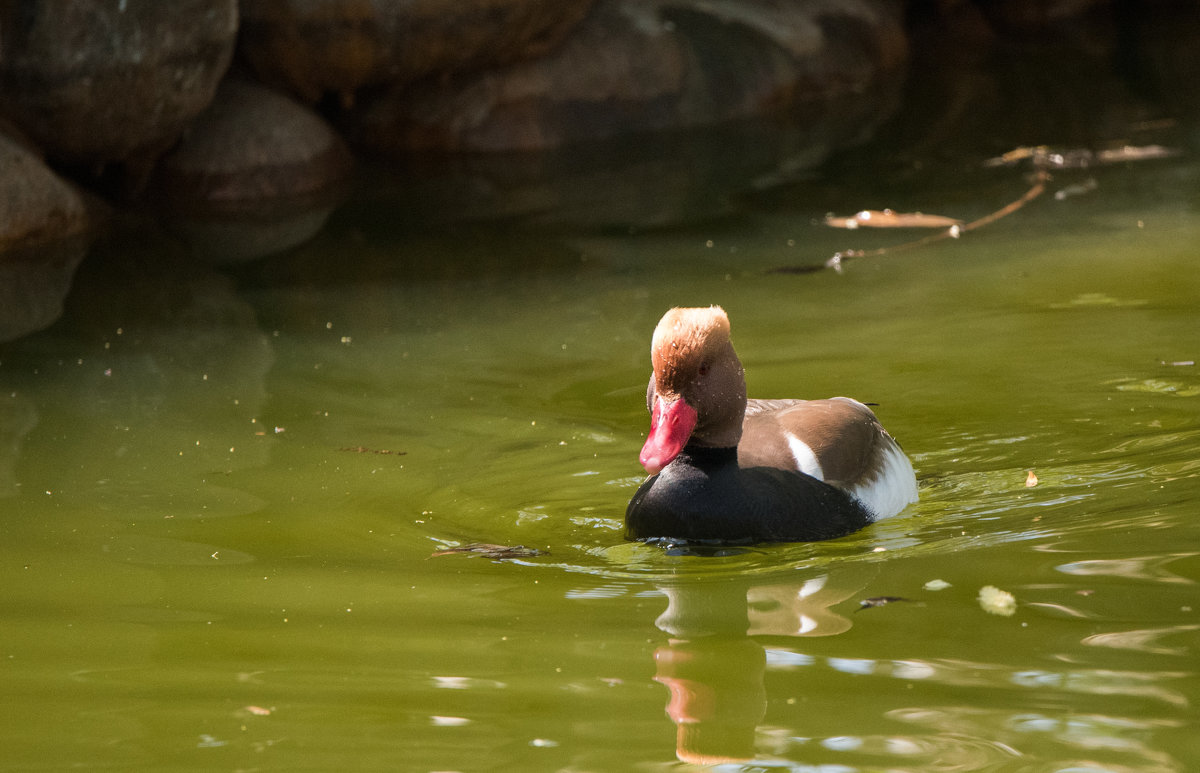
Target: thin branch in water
x=1041, y=176
x=1042, y=158
x=887, y=218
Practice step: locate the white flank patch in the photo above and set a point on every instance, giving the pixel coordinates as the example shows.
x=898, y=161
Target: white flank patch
x=806, y=460
x=893, y=488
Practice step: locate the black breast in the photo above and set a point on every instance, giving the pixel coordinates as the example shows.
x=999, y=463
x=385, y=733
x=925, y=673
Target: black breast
x=704, y=497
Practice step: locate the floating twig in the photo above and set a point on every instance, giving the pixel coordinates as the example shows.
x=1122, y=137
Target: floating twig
x=886, y=218
x=880, y=601
x=953, y=232
x=365, y=450
x=1041, y=158
x=488, y=550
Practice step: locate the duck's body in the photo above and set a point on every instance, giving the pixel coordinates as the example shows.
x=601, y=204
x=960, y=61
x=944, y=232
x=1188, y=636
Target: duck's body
x=730, y=470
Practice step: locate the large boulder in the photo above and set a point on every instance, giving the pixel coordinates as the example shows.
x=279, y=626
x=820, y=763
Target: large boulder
x=256, y=173
x=35, y=204
x=639, y=66
x=107, y=80
x=44, y=234
x=314, y=47
x=250, y=145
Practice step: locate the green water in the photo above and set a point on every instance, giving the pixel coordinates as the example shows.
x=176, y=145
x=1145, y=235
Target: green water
x=208, y=563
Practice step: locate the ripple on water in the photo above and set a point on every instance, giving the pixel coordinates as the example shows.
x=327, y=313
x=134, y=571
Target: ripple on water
x=942, y=752
x=1054, y=742
x=1154, y=568
x=1145, y=640
x=974, y=495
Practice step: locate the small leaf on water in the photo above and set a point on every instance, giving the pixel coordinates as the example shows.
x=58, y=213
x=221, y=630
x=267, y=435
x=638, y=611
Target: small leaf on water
x=1031, y=479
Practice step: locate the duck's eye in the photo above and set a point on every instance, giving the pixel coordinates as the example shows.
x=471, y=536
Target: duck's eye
x=703, y=371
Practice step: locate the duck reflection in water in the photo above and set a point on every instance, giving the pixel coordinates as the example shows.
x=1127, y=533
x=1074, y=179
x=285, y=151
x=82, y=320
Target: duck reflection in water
x=713, y=668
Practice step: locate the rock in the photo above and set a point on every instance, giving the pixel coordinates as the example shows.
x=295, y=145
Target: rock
x=256, y=174
x=35, y=204
x=650, y=65
x=250, y=145
x=108, y=80
x=44, y=234
x=315, y=47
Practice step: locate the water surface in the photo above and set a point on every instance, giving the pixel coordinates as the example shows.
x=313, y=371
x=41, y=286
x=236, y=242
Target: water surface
x=221, y=487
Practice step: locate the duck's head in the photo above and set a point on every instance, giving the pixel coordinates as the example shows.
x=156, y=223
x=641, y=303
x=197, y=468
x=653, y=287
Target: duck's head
x=697, y=392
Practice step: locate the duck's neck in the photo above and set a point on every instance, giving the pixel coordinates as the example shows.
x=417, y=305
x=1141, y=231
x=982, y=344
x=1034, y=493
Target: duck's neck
x=709, y=455
x=720, y=438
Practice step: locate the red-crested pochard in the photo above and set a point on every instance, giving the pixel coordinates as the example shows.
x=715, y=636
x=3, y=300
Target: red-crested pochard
x=725, y=469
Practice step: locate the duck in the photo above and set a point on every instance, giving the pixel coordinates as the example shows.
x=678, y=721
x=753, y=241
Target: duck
x=724, y=469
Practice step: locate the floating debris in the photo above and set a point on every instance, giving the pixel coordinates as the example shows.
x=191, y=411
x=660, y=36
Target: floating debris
x=1076, y=189
x=936, y=585
x=1043, y=157
x=364, y=450
x=1159, y=386
x=956, y=231
x=997, y=602
x=881, y=601
x=886, y=218
x=1014, y=156
x=443, y=721
x=1096, y=300
x=1135, y=153
x=1044, y=161
x=1031, y=479
x=488, y=550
